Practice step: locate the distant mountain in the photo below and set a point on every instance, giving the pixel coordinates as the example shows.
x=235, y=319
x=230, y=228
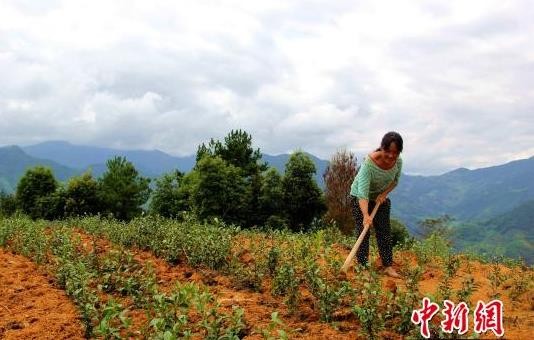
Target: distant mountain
x=508, y=234
x=520, y=218
x=14, y=162
x=151, y=163
x=493, y=208
x=465, y=194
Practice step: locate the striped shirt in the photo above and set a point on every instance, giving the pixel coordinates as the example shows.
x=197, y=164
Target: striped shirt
x=371, y=180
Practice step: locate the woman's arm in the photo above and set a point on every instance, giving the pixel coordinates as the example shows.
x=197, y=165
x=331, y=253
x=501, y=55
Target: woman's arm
x=364, y=207
x=384, y=195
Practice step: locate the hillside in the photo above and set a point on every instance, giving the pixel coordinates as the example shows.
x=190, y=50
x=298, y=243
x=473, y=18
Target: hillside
x=14, y=162
x=518, y=219
x=509, y=234
x=465, y=194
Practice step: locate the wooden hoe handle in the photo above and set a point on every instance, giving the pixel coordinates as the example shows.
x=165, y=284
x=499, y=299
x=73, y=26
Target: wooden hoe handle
x=346, y=265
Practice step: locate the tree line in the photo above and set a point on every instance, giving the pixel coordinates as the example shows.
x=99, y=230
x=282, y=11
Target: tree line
x=229, y=181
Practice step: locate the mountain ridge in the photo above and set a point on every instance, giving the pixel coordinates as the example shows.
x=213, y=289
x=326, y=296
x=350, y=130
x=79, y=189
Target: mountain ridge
x=14, y=162
x=151, y=163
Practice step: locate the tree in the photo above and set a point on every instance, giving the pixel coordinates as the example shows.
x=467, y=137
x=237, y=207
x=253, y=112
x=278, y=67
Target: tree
x=36, y=183
x=168, y=199
x=82, y=196
x=236, y=150
x=8, y=204
x=338, y=179
x=52, y=206
x=122, y=189
x=209, y=150
x=253, y=213
x=271, y=198
x=219, y=190
x=301, y=195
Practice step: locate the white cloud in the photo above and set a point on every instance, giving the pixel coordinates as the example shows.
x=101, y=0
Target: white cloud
x=453, y=77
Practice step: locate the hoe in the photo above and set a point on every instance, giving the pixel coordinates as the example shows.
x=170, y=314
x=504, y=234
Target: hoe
x=346, y=265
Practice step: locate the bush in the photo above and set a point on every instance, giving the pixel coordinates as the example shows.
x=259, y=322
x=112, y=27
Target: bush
x=399, y=233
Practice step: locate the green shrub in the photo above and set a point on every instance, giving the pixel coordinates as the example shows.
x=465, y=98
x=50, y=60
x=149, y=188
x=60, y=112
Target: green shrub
x=327, y=294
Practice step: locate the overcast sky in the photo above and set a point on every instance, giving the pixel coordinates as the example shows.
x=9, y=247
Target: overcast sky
x=455, y=78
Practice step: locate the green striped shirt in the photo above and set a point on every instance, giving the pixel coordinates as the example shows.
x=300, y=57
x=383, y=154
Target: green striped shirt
x=371, y=180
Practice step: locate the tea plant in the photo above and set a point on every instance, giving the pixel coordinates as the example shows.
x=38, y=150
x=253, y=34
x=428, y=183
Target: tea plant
x=119, y=272
x=236, y=326
x=450, y=268
x=273, y=259
x=10, y=226
x=274, y=325
x=199, y=244
x=327, y=294
x=367, y=305
x=167, y=314
x=112, y=321
x=468, y=287
x=31, y=241
x=406, y=301
x=521, y=283
x=285, y=283
x=496, y=278
x=247, y=276
x=75, y=278
x=215, y=324
x=433, y=246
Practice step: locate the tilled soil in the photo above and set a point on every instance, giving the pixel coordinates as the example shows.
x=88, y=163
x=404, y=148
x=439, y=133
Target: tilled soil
x=31, y=307
x=258, y=306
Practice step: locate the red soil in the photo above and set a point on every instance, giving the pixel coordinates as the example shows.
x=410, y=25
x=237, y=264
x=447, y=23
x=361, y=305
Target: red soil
x=30, y=306
x=518, y=316
x=44, y=311
x=257, y=306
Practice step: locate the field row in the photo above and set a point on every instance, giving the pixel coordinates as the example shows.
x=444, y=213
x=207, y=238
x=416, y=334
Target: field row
x=158, y=278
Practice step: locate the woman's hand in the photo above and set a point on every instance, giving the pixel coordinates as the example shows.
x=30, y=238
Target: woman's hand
x=367, y=220
x=381, y=198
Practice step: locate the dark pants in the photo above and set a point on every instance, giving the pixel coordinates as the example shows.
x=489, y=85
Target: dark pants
x=382, y=227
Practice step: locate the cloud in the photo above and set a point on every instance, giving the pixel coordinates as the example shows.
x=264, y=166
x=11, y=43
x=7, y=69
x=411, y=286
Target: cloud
x=453, y=77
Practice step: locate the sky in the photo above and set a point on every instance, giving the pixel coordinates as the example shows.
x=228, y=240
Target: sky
x=454, y=78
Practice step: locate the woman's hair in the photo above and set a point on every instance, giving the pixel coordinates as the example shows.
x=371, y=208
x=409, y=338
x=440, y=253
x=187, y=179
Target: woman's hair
x=391, y=137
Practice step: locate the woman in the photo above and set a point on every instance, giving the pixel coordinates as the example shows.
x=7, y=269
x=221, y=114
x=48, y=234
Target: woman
x=377, y=177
